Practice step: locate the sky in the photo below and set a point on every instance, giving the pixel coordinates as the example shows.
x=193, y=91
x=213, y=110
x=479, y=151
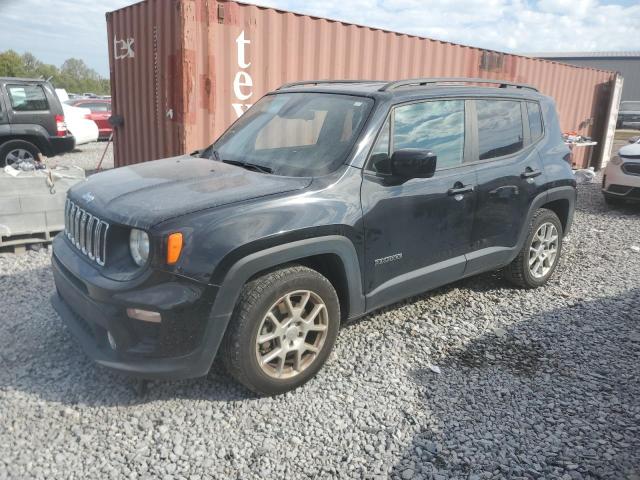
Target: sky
x=54, y=30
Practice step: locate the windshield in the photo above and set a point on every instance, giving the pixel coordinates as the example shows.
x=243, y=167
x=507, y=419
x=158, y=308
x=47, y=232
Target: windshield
x=630, y=106
x=296, y=134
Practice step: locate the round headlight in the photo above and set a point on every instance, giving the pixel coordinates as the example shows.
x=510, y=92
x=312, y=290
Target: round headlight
x=139, y=246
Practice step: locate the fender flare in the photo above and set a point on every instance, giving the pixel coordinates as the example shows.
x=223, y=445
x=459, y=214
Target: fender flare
x=241, y=271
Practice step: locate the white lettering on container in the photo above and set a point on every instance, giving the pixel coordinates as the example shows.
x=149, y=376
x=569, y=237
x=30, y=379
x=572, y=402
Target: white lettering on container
x=242, y=82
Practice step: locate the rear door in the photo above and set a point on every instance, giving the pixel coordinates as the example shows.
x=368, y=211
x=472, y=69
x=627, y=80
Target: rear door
x=29, y=106
x=418, y=231
x=510, y=175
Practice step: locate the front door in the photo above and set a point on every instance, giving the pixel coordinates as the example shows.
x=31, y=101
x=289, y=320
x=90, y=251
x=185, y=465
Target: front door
x=417, y=232
x=510, y=175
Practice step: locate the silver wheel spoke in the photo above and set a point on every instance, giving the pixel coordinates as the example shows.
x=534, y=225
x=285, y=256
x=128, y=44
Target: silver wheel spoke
x=272, y=355
x=267, y=337
x=314, y=313
x=316, y=328
x=297, y=360
x=310, y=348
x=289, y=306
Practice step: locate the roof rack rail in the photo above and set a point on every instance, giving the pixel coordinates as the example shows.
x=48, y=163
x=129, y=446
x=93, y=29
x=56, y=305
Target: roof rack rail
x=432, y=81
x=318, y=82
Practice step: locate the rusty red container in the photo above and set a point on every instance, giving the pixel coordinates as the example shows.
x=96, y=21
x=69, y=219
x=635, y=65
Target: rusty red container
x=183, y=70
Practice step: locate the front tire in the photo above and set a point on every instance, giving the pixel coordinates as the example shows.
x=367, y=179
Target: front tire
x=15, y=152
x=540, y=253
x=283, y=329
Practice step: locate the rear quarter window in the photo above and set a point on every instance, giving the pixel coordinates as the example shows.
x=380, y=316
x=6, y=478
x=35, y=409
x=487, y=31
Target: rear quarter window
x=500, y=130
x=27, y=98
x=535, y=120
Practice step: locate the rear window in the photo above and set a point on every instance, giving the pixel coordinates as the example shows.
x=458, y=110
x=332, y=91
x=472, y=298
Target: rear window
x=499, y=128
x=96, y=107
x=535, y=120
x=27, y=98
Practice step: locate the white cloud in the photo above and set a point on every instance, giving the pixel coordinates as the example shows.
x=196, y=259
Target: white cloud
x=511, y=25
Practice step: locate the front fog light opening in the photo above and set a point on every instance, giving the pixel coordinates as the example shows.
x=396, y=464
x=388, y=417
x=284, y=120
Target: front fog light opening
x=144, y=315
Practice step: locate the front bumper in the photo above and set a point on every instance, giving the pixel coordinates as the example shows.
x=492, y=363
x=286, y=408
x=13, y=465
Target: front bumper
x=182, y=345
x=618, y=183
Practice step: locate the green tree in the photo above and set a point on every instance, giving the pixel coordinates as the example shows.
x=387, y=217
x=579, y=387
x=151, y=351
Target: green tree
x=74, y=75
x=11, y=64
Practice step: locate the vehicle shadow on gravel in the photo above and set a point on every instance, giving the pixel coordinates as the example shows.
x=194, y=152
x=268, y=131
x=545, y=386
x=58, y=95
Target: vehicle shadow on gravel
x=554, y=394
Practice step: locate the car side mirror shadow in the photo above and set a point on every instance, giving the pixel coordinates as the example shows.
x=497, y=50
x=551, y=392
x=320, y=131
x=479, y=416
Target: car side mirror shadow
x=413, y=163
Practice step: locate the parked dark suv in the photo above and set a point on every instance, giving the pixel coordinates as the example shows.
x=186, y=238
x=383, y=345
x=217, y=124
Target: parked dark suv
x=31, y=121
x=323, y=202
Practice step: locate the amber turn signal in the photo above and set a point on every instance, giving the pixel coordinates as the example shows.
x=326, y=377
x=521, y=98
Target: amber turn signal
x=174, y=248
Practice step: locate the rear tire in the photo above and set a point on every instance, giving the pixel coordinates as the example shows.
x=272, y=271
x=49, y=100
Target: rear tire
x=12, y=150
x=540, y=253
x=282, y=331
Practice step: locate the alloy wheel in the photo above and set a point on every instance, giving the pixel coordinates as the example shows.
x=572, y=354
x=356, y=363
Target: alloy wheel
x=292, y=334
x=543, y=250
x=19, y=155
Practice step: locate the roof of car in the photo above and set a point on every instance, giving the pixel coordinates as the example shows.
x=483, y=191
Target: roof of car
x=416, y=88
x=19, y=79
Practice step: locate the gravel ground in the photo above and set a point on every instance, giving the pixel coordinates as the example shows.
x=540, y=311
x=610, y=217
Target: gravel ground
x=86, y=156
x=532, y=384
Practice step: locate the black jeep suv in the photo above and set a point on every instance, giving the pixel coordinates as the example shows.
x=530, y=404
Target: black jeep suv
x=324, y=201
x=31, y=121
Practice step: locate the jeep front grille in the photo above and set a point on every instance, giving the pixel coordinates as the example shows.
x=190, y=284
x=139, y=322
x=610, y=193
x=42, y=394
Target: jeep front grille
x=86, y=232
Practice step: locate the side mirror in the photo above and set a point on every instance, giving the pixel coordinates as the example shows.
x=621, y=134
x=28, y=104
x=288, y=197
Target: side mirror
x=413, y=163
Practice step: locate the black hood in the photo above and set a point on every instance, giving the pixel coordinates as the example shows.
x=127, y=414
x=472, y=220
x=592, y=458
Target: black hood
x=148, y=193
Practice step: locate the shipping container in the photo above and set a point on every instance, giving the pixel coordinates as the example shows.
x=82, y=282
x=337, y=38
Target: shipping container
x=183, y=70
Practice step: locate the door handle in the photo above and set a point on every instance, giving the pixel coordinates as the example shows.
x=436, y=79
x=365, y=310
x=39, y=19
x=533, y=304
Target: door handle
x=459, y=189
x=530, y=173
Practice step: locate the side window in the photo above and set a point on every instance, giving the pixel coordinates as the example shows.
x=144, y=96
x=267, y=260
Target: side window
x=435, y=125
x=27, y=98
x=535, y=120
x=499, y=128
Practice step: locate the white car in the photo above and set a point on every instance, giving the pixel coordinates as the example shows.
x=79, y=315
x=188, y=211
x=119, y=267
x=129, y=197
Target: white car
x=621, y=179
x=80, y=125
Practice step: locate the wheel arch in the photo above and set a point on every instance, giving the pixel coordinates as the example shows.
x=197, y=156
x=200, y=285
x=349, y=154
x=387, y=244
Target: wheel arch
x=561, y=208
x=334, y=256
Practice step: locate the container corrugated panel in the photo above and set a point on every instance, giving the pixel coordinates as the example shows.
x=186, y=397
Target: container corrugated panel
x=183, y=70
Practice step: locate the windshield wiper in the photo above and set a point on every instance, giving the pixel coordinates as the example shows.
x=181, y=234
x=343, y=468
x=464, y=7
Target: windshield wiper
x=247, y=165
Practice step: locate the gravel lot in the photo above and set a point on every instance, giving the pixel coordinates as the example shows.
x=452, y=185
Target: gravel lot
x=532, y=384
x=86, y=156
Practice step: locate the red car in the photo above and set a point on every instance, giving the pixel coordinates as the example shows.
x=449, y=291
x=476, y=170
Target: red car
x=100, y=113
